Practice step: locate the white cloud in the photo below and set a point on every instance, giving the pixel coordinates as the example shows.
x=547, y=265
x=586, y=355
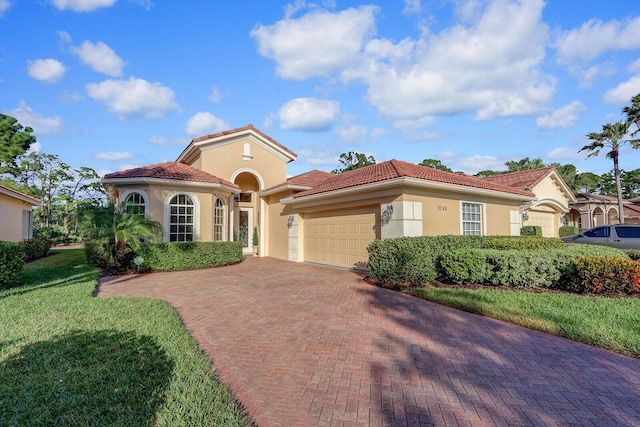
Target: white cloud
x=564, y=153
x=623, y=92
x=134, y=98
x=36, y=147
x=355, y=134
x=63, y=36
x=563, y=117
x=308, y=114
x=595, y=37
x=378, y=132
x=412, y=7
x=634, y=67
x=100, y=58
x=215, y=95
x=477, y=163
x=159, y=140
x=46, y=70
x=319, y=43
x=204, y=123
x=112, y=155
x=317, y=156
x=82, y=5
x=41, y=125
x=4, y=6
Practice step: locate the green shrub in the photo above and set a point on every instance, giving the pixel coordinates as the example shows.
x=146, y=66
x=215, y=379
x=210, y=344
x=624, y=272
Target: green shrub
x=36, y=248
x=605, y=275
x=634, y=255
x=98, y=253
x=464, y=266
x=568, y=230
x=415, y=259
x=11, y=263
x=531, y=230
x=189, y=255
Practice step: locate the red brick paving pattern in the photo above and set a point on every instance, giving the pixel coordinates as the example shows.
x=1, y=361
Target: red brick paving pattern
x=304, y=345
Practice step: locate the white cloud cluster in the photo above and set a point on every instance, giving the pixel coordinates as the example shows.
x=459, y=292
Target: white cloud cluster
x=134, y=98
x=82, y=5
x=204, y=123
x=100, y=58
x=41, y=125
x=308, y=114
x=4, y=6
x=319, y=43
x=113, y=155
x=563, y=117
x=46, y=70
x=488, y=63
x=622, y=93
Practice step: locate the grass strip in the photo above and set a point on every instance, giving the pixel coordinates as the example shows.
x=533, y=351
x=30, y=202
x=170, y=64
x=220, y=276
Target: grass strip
x=67, y=358
x=610, y=323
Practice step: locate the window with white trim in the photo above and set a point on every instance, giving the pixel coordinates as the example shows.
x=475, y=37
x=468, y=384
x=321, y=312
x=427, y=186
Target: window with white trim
x=471, y=219
x=181, y=219
x=218, y=221
x=134, y=204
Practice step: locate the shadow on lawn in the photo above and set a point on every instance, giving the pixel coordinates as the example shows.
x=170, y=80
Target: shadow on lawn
x=85, y=378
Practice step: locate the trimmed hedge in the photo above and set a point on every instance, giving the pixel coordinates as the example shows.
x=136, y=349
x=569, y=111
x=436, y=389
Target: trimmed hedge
x=551, y=268
x=189, y=255
x=98, y=253
x=11, y=263
x=415, y=259
x=568, y=230
x=531, y=230
x=600, y=275
x=36, y=248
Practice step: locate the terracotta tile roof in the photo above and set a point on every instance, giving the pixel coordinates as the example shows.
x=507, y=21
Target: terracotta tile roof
x=586, y=197
x=524, y=180
x=19, y=195
x=631, y=211
x=396, y=169
x=170, y=171
x=242, y=129
x=305, y=180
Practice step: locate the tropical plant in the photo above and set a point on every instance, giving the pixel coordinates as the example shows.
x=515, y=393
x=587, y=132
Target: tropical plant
x=435, y=164
x=255, y=240
x=524, y=164
x=613, y=136
x=352, y=160
x=633, y=112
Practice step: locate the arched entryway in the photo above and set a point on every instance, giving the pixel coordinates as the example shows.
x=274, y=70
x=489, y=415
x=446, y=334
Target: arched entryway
x=247, y=208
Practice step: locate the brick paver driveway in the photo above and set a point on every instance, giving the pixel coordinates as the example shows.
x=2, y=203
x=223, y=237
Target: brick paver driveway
x=308, y=345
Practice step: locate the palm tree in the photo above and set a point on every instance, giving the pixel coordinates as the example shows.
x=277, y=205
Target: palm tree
x=633, y=112
x=612, y=136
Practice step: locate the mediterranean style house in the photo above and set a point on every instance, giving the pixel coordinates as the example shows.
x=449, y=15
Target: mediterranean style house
x=16, y=215
x=591, y=210
x=224, y=185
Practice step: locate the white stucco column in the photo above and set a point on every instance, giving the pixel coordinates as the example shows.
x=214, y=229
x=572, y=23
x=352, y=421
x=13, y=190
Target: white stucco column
x=401, y=219
x=294, y=237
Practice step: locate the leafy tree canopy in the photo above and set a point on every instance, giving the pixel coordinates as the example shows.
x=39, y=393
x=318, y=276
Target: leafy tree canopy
x=15, y=140
x=524, y=164
x=435, y=164
x=353, y=160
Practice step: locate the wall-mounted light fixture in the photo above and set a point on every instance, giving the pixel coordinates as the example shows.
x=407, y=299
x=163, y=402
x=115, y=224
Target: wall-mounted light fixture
x=525, y=216
x=290, y=221
x=386, y=214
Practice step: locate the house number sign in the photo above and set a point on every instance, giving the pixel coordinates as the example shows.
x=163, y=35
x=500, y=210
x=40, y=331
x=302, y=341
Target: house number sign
x=442, y=208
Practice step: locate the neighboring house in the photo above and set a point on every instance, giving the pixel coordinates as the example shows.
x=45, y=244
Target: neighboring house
x=16, y=215
x=590, y=210
x=224, y=185
x=550, y=209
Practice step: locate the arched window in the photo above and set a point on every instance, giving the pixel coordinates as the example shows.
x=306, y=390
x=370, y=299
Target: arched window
x=134, y=204
x=218, y=221
x=181, y=219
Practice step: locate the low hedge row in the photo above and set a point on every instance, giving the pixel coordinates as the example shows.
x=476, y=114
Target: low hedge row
x=98, y=253
x=600, y=275
x=551, y=268
x=11, y=263
x=36, y=248
x=415, y=259
x=189, y=255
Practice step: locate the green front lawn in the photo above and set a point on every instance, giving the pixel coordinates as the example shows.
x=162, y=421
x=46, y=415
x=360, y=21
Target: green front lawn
x=67, y=358
x=611, y=323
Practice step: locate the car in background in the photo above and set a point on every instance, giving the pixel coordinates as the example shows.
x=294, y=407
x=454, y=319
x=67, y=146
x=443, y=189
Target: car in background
x=621, y=236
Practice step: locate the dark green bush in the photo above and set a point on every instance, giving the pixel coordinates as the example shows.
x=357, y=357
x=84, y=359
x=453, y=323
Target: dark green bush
x=11, y=263
x=568, y=230
x=189, y=255
x=415, y=259
x=98, y=253
x=634, y=255
x=549, y=268
x=531, y=230
x=605, y=275
x=36, y=248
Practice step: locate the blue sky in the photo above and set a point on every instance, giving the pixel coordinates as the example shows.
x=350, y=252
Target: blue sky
x=115, y=84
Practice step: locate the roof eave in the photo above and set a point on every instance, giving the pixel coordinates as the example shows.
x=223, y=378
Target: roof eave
x=284, y=187
x=171, y=182
x=21, y=196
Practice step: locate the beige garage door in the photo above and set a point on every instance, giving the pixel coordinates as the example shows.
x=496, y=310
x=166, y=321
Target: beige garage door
x=339, y=237
x=545, y=220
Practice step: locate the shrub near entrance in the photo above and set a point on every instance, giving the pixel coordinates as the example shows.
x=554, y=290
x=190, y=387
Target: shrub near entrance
x=189, y=255
x=11, y=263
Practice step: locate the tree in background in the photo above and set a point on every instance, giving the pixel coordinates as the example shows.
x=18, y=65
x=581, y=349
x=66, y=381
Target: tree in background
x=633, y=112
x=15, y=140
x=612, y=137
x=587, y=182
x=524, y=164
x=352, y=160
x=435, y=164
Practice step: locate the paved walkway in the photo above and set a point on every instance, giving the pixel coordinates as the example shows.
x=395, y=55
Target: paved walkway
x=308, y=345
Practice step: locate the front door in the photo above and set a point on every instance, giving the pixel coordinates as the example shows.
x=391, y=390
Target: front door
x=245, y=230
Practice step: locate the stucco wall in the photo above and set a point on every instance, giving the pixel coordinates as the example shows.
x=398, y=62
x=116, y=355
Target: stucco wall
x=11, y=215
